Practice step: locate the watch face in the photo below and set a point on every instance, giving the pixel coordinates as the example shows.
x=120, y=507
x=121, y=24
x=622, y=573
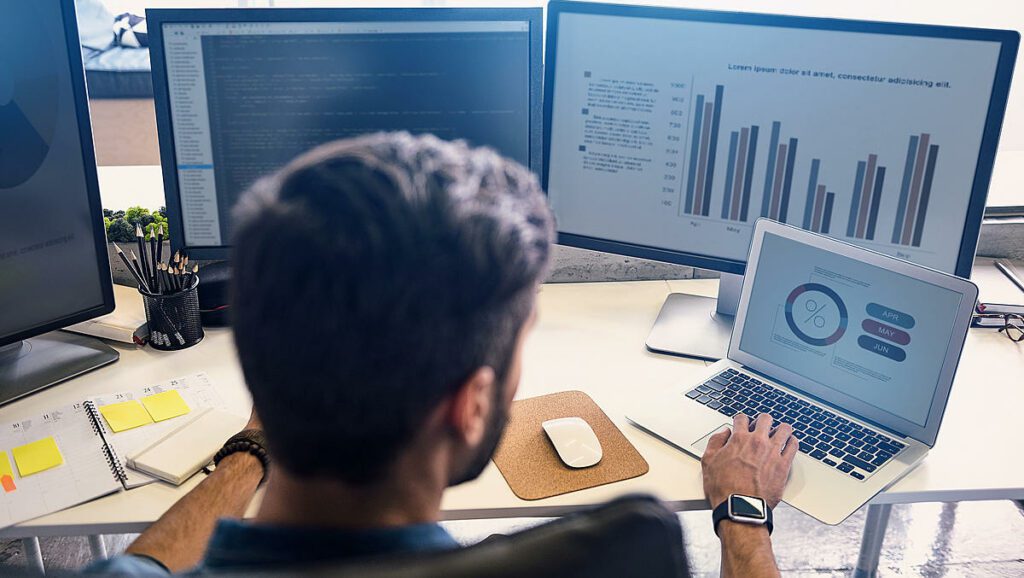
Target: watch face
x=747, y=507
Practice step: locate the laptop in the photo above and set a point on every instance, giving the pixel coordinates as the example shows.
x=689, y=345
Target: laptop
x=856, y=349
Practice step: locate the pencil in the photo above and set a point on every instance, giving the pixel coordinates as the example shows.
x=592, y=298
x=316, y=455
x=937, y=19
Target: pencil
x=138, y=270
x=160, y=243
x=147, y=272
x=152, y=255
x=129, y=266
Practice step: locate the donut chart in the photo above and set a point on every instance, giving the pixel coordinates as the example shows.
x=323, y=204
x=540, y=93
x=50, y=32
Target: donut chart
x=816, y=314
x=28, y=97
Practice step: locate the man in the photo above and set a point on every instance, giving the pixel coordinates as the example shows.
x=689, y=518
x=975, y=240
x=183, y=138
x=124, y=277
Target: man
x=383, y=289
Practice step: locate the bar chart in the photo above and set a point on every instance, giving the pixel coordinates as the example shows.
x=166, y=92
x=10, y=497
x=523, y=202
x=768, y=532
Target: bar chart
x=740, y=173
x=867, y=197
x=781, y=165
x=819, y=205
x=915, y=191
x=778, y=178
x=703, y=149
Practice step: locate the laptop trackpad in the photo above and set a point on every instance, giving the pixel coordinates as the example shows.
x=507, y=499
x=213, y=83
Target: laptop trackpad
x=701, y=444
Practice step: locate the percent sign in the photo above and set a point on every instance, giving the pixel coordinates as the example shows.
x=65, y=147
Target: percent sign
x=812, y=306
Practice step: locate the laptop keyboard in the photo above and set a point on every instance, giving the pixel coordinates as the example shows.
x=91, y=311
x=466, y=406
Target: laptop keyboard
x=831, y=439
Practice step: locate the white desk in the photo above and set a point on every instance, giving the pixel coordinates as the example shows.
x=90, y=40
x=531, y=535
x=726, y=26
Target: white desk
x=589, y=337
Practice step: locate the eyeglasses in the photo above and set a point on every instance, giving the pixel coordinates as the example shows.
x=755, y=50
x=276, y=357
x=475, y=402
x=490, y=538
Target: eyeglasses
x=1013, y=325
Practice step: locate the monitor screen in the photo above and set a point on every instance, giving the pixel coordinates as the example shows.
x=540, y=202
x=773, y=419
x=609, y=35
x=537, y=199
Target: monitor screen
x=856, y=329
x=50, y=222
x=246, y=97
x=677, y=133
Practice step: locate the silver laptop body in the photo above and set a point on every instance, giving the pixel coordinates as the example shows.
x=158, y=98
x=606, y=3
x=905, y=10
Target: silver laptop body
x=859, y=354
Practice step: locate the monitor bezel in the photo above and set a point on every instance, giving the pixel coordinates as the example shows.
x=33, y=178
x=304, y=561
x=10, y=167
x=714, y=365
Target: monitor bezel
x=73, y=51
x=157, y=18
x=1008, y=39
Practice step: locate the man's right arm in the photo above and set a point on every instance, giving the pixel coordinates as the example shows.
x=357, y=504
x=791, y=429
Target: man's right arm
x=753, y=463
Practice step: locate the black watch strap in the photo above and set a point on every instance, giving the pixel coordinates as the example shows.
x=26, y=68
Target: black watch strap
x=721, y=512
x=250, y=441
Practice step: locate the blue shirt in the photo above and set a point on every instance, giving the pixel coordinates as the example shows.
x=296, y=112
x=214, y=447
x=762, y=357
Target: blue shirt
x=238, y=546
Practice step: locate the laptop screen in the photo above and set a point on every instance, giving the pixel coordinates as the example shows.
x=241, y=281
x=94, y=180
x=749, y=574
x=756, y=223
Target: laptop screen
x=857, y=329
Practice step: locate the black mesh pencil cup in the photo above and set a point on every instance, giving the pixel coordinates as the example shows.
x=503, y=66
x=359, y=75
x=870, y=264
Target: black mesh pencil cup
x=173, y=318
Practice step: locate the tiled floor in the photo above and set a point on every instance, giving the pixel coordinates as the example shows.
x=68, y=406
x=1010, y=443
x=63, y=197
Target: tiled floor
x=970, y=539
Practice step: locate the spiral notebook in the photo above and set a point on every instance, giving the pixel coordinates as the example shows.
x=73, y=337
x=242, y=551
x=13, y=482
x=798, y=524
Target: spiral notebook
x=72, y=454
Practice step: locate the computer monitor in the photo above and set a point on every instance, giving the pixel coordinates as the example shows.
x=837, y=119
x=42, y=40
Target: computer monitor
x=240, y=92
x=53, y=257
x=668, y=132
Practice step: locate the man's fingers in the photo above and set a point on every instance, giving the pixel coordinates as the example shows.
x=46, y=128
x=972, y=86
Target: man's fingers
x=780, y=434
x=716, y=441
x=789, y=452
x=741, y=423
x=764, y=425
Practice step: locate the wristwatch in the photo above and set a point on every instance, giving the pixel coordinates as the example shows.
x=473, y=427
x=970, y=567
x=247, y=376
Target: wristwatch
x=743, y=510
x=250, y=441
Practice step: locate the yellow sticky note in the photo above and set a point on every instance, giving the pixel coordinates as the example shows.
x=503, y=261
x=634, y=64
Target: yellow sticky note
x=165, y=405
x=37, y=456
x=6, y=474
x=125, y=415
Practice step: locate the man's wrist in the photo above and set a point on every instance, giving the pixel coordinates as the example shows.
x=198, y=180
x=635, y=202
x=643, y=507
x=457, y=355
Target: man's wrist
x=242, y=464
x=729, y=531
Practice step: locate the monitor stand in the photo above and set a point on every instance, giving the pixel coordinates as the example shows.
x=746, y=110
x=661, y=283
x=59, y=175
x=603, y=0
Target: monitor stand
x=33, y=364
x=696, y=326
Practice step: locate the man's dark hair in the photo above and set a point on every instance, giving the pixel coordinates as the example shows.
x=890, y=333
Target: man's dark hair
x=372, y=277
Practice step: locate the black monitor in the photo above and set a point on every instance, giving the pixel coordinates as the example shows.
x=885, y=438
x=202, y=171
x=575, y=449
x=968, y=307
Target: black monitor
x=668, y=132
x=240, y=92
x=53, y=257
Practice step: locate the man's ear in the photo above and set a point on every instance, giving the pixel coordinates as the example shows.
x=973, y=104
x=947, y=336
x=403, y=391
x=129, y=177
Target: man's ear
x=472, y=405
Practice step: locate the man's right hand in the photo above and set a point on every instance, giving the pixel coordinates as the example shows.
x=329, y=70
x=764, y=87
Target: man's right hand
x=754, y=463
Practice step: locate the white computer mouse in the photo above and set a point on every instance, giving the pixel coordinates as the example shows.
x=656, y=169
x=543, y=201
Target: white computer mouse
x=574, y=441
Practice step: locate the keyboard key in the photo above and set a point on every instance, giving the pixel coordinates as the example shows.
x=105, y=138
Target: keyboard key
x=897, y=444
x=851, y=459
x=830, y=430
x=730, y=371
x=881, y=458
x=836, y=452
x=838, y=444
x=741, y=397
x=857, y=433
x=802, y=402
x=714, y=386
x=778, y=416
x=715, y=394
x=799, y=426
x=817, y=423
x=703, y=399
x=888, y=447
x=806, y=448
x=756, y=381
x=845, y=467
x=714, y=404
x=704, y=389
x=831, y=421
x=829, y=462
x=825, y=438
x=814, y=432
x=798, y=434
x=804, y=419
x=843, y=436
x=818, y=454
x=845, y=428
x=727, y=411
x=866, y=456
x=857, y=475
x=823, y=446
x=720, y=380
x=856, y=443
x=693, y=393
x=763, y=409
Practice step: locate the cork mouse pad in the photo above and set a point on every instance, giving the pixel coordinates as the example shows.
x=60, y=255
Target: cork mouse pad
x=531, y=465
